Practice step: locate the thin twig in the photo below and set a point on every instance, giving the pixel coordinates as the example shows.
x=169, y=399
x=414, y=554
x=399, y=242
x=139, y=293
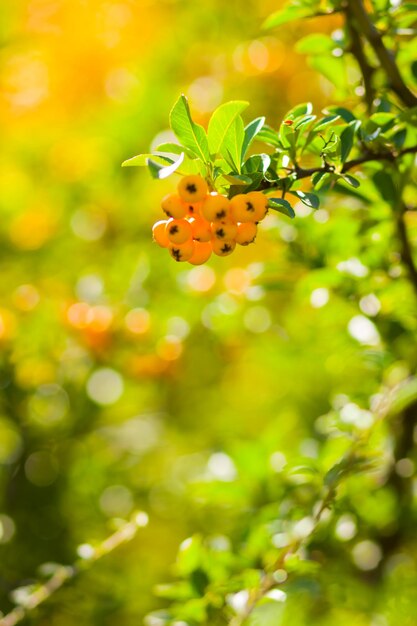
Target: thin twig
x=385, y=57
x=65, y=573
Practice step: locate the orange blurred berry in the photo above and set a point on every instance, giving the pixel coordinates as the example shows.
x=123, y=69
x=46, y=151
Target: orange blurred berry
x=182, y=251
x=224, y=230
x=192, y=188
x=178, y=231
x=159, y=233
x=215, y=208
x=173, y=206
x=223, y=248
x=201, y=254
x=201, y=229
x=246, y=233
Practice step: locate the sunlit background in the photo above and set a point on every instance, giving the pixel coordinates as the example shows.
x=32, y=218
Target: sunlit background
x=129, y=382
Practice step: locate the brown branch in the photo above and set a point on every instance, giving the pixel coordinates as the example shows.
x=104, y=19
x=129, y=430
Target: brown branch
x=356, y=49
x=405, y=245
x=385, y=57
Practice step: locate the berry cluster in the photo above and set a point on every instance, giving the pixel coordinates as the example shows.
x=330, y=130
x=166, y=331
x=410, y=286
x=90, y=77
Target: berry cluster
x=200, y=222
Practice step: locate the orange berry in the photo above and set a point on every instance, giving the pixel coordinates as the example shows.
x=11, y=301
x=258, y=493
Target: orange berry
x=201, y=229
x=159, y=233
x=243, y=208
x=201, y=254
x=260, y=202
x=223, y=248
x=216, y=207
x=224, y=230
x=246, y=233
x=174, y=206
x=193, y=208
x=178, y=231
x=192, y=188
x=182, y=251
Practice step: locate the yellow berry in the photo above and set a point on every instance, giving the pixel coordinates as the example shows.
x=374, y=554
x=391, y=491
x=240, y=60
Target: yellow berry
x=178, y=231
x=201, y=229
x=216, y=207
x=174, y=206
x=243, y=209
x=182, y=251
x=246, y=233
x=224, y=230
x=201, y=254
x=192, y=188
x=260, y=202
x=223, y=248
x=159, y=233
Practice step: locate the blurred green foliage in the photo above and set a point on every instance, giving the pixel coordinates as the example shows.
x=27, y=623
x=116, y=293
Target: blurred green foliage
x=219, y=399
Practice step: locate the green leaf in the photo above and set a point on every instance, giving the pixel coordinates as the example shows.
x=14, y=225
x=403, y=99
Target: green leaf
x=269, y=135
x=163, y=171
x=251, y=130
x=350, y=180
x=236, y=136
x=332, y=68
x=237, y=179
x=142, y=159
x=192, y=135
x=346, y=141
x=385, y=185
x=287, y=14
x=325, y=121
x=257, y=163
x=320, y=179
x=301, y=109
x=309, y=199
x=383, y=119
x=220, y=129
x=306, y=119
x=345, y=114
x=174, y=148
x=282, y=206
x=315, y=43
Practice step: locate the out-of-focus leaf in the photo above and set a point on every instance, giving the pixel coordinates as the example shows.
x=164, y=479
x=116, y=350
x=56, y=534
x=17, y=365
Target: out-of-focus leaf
x=287, y=14
x=385, y=186
x=315, y=43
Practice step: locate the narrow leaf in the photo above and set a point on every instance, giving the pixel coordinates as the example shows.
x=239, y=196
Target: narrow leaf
x=251, y=130
x=142, y=159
